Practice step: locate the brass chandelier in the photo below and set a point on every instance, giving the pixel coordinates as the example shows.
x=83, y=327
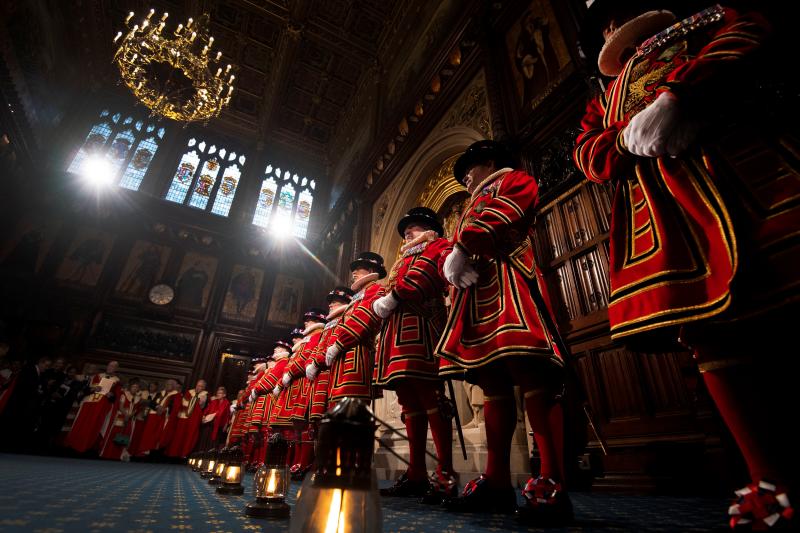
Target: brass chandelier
x=174, y=75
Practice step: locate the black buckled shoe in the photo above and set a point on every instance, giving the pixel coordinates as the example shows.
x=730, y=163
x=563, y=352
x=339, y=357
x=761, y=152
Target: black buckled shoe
x=407, y=488
x=546, y=503
x=479, y=497
x=442, y=486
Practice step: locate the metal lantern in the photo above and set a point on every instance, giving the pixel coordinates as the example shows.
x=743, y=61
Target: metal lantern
x=342, y=493
x=219, y=468
x=232, y=480
x=200, y=465
x=271, y=482
x=211, y=463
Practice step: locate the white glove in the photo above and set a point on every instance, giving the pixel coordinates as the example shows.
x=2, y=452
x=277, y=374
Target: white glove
x=311, y=371
x=660, y=129
x=286, y=379
x=458, y=271
x=384, y=305
x=253, y=396
x=331, y=354
x=276, y=391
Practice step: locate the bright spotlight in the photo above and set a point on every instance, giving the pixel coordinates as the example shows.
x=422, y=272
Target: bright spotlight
x=97, y=171
x=281, y=228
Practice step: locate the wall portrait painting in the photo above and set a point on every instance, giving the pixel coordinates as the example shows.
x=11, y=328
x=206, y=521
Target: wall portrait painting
x=287, y=298
x=144, y=267
x=241, y=298
x=27, y=245
x=195, y=278
x=537, y=54
x=87, y=255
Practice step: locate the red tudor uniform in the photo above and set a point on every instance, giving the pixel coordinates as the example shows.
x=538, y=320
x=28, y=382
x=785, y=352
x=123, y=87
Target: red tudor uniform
x=495, y=330
x=300, y=389
x=91, y=421
x=297, y=367
x=497, y=318
x=284, y=399
x=246, y=408
x=351, y=355
x=256, y=423
x=267, y=383
x=406, y=362
x=239, y=414
x=703, y=234
x=338, y=299
x=409, y=336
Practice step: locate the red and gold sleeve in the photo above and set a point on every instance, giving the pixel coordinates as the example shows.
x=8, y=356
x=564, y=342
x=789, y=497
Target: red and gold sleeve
x=600, y=152
x=489, y=228
x=424, y=280
x=271, y=378
x=740, y=35
x=297, y=366
x=362, y=323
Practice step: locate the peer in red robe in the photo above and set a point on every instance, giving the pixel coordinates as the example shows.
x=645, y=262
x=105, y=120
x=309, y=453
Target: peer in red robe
x=215, y=418
x=117, y=437
x=189, y=418
x=94, y=414
x=157, y=413
x=140, y=417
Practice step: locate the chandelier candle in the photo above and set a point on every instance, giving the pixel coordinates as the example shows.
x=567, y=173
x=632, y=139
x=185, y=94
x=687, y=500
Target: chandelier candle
x=173, y=75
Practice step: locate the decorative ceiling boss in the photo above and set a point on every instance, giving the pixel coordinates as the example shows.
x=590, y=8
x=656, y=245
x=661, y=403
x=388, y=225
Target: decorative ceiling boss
x=176, y=76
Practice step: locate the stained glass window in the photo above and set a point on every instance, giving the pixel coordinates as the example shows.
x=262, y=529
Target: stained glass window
x=127, y=144
x=134, y=173
x=120, y=148
x=183, y=177
x=280, y=207
x=207, y=190
x=205, y=184
x=227, y=188
x=303, y=214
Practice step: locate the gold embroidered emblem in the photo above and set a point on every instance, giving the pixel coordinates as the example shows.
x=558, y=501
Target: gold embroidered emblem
x=646, y=76
x=480, y=207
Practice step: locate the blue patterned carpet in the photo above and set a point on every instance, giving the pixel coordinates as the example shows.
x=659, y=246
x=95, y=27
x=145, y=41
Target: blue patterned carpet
x=50, y=495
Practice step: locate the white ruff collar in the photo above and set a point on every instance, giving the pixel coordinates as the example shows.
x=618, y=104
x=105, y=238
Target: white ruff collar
x=278, y=355
x=426, y=236
x=313, y=327
x=490, y=178
x=337, y=312
x=363, y=282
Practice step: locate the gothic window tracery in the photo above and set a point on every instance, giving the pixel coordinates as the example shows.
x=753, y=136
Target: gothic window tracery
x=212, y=187
x=127, y=146
x=284, y=202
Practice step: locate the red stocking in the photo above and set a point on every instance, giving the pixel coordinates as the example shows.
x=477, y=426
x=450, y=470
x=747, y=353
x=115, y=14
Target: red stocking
x=547, y=423
x=442, y=431
x=306, y=450
x=746, y=407
x=501, y=419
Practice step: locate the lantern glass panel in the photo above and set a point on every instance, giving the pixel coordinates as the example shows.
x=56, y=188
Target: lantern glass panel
x=271, y=482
